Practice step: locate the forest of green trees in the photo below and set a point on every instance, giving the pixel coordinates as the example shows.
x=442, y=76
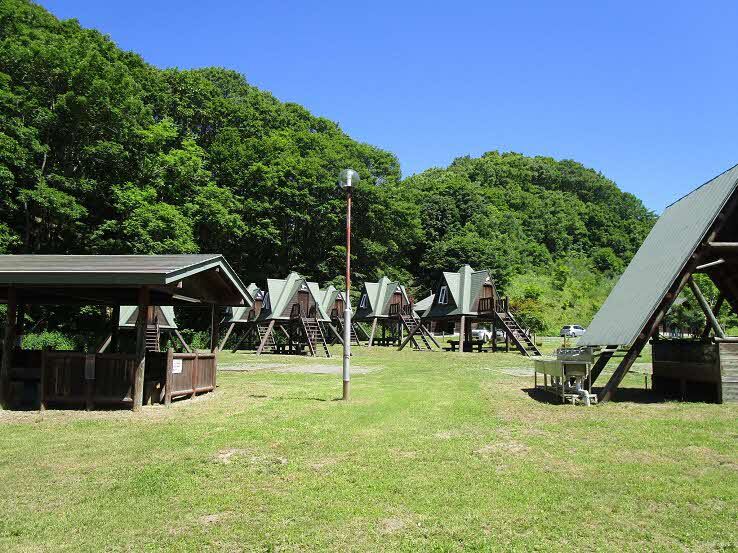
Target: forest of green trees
x=101, y=152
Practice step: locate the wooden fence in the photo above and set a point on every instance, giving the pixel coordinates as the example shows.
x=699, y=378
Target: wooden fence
x=75, y=378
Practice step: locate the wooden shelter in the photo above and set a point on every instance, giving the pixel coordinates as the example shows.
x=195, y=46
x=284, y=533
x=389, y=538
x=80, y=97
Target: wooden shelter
x=115, y=377
x=467, y=297
x=386, y=305
x=293, y=307
x=696, y=234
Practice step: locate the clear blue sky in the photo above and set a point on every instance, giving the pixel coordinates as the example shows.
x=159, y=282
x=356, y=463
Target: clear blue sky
x=645, y=92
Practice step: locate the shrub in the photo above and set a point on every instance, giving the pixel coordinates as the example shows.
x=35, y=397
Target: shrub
x=51, y=339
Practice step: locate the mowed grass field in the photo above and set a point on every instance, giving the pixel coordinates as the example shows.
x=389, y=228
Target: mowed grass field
x=435, y=451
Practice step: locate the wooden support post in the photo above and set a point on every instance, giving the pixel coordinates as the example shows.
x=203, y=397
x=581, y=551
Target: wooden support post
x=266, y=337
x=227, y=335
x=371, y=335
x=242, y=338
x=144, y=298
x=115, y=330
x=168, y=377
x=20, y=324
x=89, y=382
x=42, y=384
x=214, y=328
x=600, y=364
x=8, y=347
x=709, y=315
x=185, y=345
x=424, y=329
x=336, y=333
x=716, y=311
x=408, y=337
x=462, y=333
x=195, y=369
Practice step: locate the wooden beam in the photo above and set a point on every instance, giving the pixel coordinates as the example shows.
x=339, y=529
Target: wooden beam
x=706, y=308
x=371, y=335
x=408, y=337
x=601, y=363
x=710, y=264
x=716, y=310
x=8, y=347
x=723, y=245
x=181, y=339
x=144, y=295
x=214, y=328
x=462, y=333
x=266, y=337
x=168, y=377
x=227, y=335
x=115, y=329
x=617, y=377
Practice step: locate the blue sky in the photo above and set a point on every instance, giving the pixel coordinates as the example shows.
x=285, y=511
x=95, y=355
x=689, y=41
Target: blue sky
x=645, y=92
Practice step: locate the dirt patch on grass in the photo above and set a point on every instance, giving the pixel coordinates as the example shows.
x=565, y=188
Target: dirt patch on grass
x=215, y=518
x=228, y=456
x=324, y=464
x=391, y=525
x=243, y=367
x=511, y=447
x=321, y=369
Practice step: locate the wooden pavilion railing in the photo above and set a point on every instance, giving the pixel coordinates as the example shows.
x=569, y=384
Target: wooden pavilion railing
x=89, y=379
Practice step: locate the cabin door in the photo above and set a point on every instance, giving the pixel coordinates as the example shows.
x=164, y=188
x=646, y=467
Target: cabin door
x=303, y=300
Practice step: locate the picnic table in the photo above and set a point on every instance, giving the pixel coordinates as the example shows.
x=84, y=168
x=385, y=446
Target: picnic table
x=469, y=345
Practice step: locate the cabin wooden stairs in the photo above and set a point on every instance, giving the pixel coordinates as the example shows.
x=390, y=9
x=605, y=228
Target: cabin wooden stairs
x=314, y=337
x=264, y=330
x=414, y=326
x=519, y=337
x=152, y=337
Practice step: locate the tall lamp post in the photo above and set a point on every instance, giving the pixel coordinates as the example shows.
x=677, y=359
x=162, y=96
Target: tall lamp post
x=346, y=181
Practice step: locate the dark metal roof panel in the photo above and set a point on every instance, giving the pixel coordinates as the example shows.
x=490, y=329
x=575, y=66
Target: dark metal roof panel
x=658, y=263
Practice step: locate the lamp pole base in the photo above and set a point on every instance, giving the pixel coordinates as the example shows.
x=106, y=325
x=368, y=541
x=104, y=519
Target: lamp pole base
x=346, y=389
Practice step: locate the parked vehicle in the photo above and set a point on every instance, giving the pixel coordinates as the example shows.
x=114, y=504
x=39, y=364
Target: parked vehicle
x=573, y=331
x=486, y=335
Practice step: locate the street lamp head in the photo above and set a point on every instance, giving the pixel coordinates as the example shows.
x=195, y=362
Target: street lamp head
x=348, y=179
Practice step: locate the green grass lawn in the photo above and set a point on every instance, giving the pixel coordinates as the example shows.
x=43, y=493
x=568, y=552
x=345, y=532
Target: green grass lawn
x=435, y=451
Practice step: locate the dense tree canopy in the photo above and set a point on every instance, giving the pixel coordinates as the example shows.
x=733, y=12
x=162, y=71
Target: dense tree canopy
x=102, y=153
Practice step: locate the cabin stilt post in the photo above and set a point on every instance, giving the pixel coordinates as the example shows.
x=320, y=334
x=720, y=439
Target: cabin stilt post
x=371, y=335
x=227, y=335
x=140, y=366
x=266, y=337
x=8, y=346
x=462, y=333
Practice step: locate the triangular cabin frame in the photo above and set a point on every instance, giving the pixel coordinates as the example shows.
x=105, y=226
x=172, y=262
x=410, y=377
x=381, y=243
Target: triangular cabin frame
x=161, y=321
x=291, y=306
x=697, y=234
x=468, y=297
x=334, y=305
x=386, y=305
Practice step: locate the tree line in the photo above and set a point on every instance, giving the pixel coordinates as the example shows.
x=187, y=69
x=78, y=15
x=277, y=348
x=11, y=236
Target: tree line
x=101, y=152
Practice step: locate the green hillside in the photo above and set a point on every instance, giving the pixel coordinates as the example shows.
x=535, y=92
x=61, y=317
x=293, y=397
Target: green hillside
x=101, y=152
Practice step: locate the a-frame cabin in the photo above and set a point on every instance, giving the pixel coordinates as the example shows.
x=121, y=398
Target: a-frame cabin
x=696, y=234
x=291, y=306
x=386, y=305
x=245, y=317
x=334, y=305
x=161, y=321
x=467, y=297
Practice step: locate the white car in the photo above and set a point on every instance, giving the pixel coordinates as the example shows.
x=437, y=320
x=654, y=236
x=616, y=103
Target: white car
x=486, y=335
x=573, y=331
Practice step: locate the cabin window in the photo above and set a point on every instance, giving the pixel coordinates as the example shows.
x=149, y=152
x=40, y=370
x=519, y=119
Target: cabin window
x=266, y=302
x=443, y=295
x=363, y=301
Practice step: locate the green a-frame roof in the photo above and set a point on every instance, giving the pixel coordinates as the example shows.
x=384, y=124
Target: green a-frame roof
x=376, y=298
x=463, y=288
